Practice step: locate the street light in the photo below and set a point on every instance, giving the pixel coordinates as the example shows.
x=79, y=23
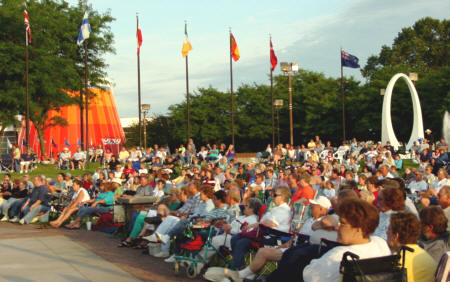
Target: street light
x=145, y=108
x=413, y=76
x=382, y=91
x=290, y=69
x=278, y=104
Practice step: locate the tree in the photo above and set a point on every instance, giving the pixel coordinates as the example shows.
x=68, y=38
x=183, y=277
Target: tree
x=55, y=60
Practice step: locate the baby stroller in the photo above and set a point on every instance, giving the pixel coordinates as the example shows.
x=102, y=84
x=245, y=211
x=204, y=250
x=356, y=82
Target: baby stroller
x=200, y=237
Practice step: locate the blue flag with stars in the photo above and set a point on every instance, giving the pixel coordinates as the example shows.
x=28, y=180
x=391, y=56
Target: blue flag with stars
x=348, y=60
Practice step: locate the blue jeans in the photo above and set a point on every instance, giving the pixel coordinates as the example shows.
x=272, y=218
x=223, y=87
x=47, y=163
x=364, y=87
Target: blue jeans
x=14, y=209
x=239, y=247
x=88, y=211
x=30, y=214
x=4, y=208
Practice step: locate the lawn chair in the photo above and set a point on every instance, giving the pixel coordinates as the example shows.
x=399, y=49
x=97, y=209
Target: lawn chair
x=6, y=163
x=386, y=268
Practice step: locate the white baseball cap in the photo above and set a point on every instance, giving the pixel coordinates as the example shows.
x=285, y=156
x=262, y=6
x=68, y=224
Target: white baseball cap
x=321, y=201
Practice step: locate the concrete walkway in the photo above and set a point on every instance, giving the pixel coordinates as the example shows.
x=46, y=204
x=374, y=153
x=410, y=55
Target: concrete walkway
x=54, y=258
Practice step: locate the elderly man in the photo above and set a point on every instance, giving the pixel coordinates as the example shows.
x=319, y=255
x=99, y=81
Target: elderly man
x=78, y=159
x=64, y=158
x=418, y=184
x=144, y=188
x=319, y=209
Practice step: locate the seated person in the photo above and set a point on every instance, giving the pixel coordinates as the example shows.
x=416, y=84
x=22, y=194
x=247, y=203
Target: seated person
x=64, y=158
x=319, y=209
x=404, y=230
x=78, y=159
x=79, y=197
x=278, y=218
x=16, y=195
x=34, y=203
x=98, y=156
x=357, y=222
x=102, y=204
x=25, y=161
x=434, y=237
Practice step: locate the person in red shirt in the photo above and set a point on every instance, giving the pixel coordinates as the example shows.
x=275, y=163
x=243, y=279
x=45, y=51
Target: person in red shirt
x=304, y=192
x=128, y=170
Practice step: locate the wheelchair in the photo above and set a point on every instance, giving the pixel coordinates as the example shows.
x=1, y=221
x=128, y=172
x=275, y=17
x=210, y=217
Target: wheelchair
x=191, y=250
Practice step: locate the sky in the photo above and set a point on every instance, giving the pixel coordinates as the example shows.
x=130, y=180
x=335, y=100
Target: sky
x=308, y=32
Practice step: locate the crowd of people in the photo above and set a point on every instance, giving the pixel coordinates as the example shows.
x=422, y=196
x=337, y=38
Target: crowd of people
x=358, y=197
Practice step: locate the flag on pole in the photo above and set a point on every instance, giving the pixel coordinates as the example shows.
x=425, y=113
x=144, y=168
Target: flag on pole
x=53, y=143
x=139, y=37
x=348, y=60
x=273, y=58
x=186, y=44
x=24, y=142
x=37, y=139
x=79, y=143
x=234, y=48
x=85, y=30
x=66, y=142
x=27, y=25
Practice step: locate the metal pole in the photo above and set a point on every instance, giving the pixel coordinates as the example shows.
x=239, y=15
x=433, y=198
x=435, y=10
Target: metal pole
x=86, y=94
x=278, y=125
x=231, y=90
x=271, y=95
x=187, y=102
x=145, y=132
x=343, y=100
x=81, y=119
x=27, y=96
x=139, y=89
x=291, y=119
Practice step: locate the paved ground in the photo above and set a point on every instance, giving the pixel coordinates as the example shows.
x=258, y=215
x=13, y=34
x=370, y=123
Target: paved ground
x=33, y=253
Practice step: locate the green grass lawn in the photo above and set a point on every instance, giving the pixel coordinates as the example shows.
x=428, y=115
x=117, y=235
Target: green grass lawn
x=49, y=170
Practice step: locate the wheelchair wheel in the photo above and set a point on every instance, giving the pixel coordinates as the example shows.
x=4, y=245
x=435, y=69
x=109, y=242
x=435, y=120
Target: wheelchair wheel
x=177, y=267
x=191, y=270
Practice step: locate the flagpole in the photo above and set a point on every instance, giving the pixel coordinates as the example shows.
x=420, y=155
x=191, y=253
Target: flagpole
x=27, y=95
x=86, y=94
x=81, y=119
x=139, y=87
x=187, y=96
x=231, y=92
x=271, y=95
x=343, y=99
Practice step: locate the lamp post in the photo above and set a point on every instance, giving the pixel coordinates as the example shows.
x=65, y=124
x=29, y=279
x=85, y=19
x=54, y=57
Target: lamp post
x=145, y=108
x=278, y=104
x=413, y=76
x=382, y=91
x=290, y=69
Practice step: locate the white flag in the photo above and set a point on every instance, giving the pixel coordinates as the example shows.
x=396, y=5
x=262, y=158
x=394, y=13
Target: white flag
x=85, y=29
x=8, y=143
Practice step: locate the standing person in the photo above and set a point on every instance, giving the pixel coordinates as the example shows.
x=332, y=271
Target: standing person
x=16, y=157
x=36, y=202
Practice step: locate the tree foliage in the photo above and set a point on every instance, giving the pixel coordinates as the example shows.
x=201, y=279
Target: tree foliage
x=55, y=61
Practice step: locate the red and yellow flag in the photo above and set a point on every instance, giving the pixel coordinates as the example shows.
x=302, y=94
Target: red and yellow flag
x=234, y=48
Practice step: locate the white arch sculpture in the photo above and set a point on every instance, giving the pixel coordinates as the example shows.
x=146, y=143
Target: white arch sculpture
x=387, y=131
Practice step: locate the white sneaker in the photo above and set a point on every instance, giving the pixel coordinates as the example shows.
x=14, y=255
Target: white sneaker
x=14, y=220
x=4, y=219
x=26, y=171
x=22, y=221
x=162, y=254
x=21, y=171
x=233, y=274
x=35, y=219
x=170, y=259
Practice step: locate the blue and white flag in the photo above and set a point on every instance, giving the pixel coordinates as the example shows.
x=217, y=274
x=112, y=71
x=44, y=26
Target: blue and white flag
x=348, y=60
x=85, y=30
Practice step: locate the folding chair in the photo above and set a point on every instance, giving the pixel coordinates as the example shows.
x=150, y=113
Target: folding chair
x=443, y=269
x=6, y=163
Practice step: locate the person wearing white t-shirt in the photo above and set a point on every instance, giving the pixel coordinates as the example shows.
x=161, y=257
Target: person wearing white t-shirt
x=319, y=208
x=80, y=196
x=441, y=181
x=357, y=221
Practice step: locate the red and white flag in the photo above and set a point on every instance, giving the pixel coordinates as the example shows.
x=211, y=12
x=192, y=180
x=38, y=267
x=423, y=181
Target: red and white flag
x=27, y=25
x=273, y=58
x=139, y=37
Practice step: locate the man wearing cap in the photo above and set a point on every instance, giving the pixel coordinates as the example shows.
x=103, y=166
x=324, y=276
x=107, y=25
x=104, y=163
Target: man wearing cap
x=319, y=208
x=64, y=158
